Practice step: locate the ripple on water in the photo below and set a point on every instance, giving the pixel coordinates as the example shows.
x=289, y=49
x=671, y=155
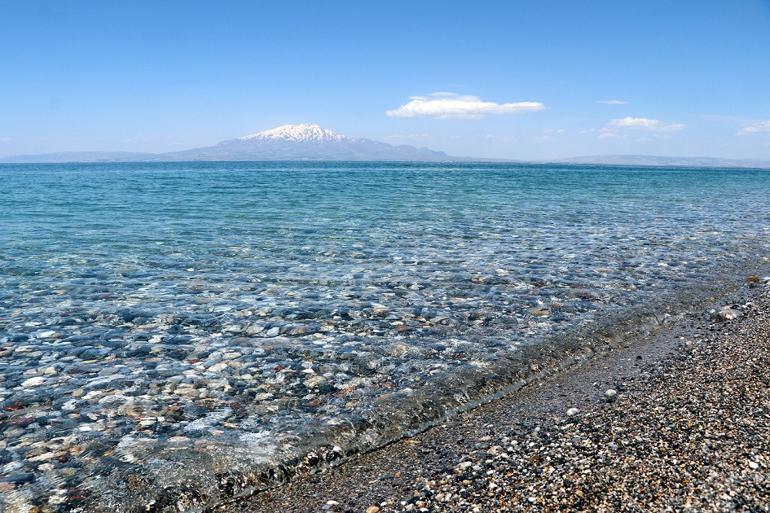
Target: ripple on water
x=162, y=318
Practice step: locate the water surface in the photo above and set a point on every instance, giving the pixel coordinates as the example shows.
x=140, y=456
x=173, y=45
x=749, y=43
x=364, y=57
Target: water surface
x=257, y=305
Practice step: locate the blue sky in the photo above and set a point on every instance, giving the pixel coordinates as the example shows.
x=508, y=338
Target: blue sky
x=688, y=77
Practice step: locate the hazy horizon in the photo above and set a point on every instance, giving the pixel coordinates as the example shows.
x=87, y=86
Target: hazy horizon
x=531, y=81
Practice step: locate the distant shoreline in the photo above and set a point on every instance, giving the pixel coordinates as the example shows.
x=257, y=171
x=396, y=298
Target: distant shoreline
x=695, y=165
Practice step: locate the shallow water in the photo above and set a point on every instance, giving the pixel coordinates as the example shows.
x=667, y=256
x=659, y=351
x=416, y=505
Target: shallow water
x=256, y=305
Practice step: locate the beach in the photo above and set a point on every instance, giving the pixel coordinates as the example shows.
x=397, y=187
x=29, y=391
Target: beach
x=178, y=336
x=678, y=422
x=384, y=257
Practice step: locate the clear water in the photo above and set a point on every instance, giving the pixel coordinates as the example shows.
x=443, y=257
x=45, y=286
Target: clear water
x=255, y=305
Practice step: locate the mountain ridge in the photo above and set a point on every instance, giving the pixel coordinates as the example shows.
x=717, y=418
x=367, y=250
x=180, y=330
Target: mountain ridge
x=657, y=161
x=311, y=142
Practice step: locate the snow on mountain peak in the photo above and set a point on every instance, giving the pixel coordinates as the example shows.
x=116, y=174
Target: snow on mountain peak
x=304, y=133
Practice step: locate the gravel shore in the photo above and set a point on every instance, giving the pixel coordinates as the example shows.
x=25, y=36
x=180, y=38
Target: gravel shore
x=680, y=422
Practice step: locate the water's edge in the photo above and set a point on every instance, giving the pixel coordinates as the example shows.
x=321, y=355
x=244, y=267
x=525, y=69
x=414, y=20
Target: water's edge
x=204, y=479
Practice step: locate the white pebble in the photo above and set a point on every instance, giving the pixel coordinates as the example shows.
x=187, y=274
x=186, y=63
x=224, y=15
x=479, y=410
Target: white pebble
x=33, y=382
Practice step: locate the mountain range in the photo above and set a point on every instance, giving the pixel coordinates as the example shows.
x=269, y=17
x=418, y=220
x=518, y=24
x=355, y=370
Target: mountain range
x=286, y=142
x=652, y=160
x=311, y=142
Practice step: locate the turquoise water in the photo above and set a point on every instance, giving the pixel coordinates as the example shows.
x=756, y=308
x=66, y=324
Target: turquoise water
x=256, y=305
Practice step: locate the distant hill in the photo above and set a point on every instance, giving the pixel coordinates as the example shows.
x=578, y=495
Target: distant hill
x=650, y=160
x=287, y=142
x=311, y=142
x=80, y=156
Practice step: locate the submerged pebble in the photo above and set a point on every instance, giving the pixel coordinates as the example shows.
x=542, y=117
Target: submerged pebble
x=254, y=306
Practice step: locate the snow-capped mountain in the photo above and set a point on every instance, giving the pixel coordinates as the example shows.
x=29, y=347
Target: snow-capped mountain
x=306, y=142
x=304, y=132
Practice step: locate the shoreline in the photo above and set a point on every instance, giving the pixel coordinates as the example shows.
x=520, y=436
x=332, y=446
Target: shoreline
x=540, y=385
x=231, y=478
x=183, y=370
x=516, y=453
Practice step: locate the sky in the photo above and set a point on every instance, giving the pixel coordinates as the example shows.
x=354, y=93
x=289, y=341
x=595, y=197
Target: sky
x=496, y=79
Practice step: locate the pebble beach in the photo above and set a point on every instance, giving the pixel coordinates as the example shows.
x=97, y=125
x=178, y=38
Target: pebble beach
x=679, y=422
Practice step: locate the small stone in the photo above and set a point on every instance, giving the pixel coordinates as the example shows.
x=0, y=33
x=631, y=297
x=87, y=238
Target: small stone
x=18, y=478
x=373, y=509
x=297, y=331
x=254, y=329
x=380, y=310
x=753, y=465
x=33, y=382
x=611, y=394
x=572, y=412
x=43, y=457
x=314, y=381
x=218, y=367
x=494, y=450
x=464, y=465
x=727, y=313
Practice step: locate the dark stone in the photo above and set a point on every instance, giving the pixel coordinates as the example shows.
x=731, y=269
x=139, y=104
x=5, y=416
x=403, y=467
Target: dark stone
x=18, y=477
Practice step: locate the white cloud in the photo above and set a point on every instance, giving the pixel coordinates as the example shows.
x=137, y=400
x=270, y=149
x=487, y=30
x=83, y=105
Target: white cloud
x=646, y=124
x=615, y=126
x=755, y=128
x=450, y=105
x=613, y=102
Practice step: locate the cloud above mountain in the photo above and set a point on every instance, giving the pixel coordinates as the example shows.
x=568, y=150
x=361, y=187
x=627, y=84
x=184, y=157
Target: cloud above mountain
x=755, y=128
x=646, y=123
x=615, y=126
x=451, y=105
